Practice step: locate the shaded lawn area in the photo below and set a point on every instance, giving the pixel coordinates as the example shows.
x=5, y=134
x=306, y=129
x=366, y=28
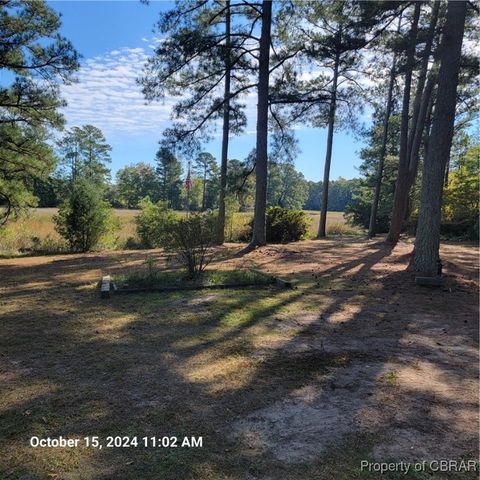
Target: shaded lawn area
x=356, y=363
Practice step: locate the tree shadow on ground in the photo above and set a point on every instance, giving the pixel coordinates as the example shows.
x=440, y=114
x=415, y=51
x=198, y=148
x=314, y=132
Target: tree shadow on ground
x=265, y=392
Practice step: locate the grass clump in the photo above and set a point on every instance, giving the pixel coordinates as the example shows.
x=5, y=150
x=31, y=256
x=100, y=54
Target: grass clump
x=343, y=229
x=151, y=277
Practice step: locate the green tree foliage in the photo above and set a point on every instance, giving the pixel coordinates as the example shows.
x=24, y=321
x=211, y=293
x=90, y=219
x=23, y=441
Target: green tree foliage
x=36, y=58
x=96, y=153
x=135, y=182
x=334, y=32
x=241, y=182
x=359, y=209
x=205, y=61
x=461, y=195
x=153, y=223
x=287, y=187
x=190, y=64
x=84, y=154
x=84, y=217
x=206, y=167
x=192, y=200
x=340, y=194
x=169, y=171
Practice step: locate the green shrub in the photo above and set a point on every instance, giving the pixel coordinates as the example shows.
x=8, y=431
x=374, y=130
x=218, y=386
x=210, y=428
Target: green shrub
x=191, y=238
x=284, y=225
x=153, y=223
x=83, y=218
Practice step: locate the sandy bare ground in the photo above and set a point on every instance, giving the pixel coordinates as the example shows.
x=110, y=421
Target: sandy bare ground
x=399, y=363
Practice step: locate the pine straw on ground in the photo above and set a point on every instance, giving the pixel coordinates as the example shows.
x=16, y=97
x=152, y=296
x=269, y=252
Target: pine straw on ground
x=355, y=363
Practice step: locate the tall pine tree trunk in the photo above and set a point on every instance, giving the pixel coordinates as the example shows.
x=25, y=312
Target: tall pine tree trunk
x=427, y=242
x=204, y=192
x=328, y=157
x=226, y=130
x=259, y=236
x=419, y=100
x=420, y=127
x=420, y=104
x=372, y=227
x=401, y=187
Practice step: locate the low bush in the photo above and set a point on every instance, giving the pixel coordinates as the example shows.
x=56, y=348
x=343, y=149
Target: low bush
x=284, y=225
x=153, y=223
x=191, y=238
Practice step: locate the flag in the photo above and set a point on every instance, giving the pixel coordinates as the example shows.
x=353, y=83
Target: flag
x=188, y=180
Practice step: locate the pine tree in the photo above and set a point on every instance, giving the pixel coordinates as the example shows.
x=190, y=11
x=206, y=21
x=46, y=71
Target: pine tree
x=169, y=171
x=84, y=153
x=412, y=129
x=427, y=241
x=202, y=51
x=205, y=165
x=334, y=34
x=372, y=224
x=38, y=58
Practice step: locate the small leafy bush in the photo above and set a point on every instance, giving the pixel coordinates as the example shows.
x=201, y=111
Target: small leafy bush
x=191, y=238
x=153, y=223
x=284, y=225
x=83, y=218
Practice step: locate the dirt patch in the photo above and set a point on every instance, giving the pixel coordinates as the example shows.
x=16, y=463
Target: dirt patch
x=299, y=428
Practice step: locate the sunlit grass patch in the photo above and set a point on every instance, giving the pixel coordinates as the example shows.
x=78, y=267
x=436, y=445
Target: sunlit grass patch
x=343, y=229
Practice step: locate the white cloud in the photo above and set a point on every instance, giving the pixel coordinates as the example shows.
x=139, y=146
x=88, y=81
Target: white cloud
x=108, y=96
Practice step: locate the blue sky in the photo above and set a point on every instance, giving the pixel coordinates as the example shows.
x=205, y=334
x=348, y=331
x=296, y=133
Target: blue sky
x=115, y=38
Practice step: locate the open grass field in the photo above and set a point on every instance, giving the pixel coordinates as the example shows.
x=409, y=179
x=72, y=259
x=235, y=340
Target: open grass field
x=17, y=236
x=356, y=363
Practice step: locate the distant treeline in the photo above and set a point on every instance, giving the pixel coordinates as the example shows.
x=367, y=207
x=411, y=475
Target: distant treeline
x=166, y=182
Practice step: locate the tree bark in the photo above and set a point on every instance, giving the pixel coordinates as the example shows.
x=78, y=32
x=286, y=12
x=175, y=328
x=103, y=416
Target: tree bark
x=226, y=130
x=427, y=242
x=400, y=196
x=204, y=188
x=419, y=130
x=421, y=103
x=259, y=236
x=422, y=77
x=328, y=157
x=372, y=227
